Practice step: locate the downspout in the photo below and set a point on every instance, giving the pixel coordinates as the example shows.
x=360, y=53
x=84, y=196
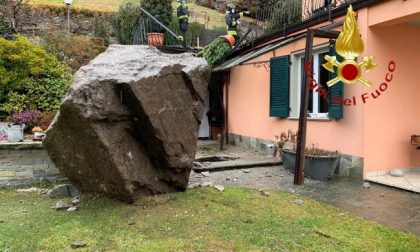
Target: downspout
x=222, y=103
x=227, y=108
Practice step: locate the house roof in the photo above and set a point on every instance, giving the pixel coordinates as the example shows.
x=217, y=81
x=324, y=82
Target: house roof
x=238, y=60
x=253, y=54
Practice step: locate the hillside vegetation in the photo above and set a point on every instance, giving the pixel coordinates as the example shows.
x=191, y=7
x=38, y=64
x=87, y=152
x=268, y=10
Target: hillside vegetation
x=208, y=17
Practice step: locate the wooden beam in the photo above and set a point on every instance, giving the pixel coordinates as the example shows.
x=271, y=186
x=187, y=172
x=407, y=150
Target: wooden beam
x=303, y=114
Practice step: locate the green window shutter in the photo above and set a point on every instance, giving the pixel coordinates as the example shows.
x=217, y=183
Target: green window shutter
x=279, y=86
x=336, y=110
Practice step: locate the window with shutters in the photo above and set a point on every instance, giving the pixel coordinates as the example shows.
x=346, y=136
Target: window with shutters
x=319, y=106
x=279, y=86
x=286, y=80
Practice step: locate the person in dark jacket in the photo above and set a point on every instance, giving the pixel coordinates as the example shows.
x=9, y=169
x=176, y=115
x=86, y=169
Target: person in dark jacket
x=182, y=14
x=232, y=21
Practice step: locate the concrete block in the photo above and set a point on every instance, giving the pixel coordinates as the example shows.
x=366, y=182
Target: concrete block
x=9, y=167
x=19, y=152
x=38, y=152
x=31, y=161
x=9, y=158
x=347, y=157
x=40, y=155
x=4, y=151
x=245, y=141
x=34, y=167
x=238, y=140
x=7, y=173
x=39, y=173
x=253, y=143
x=356, y=173
x=232, y=139
x=26, y=174
x=22, y=182
x=343, y=169
x=357, y=161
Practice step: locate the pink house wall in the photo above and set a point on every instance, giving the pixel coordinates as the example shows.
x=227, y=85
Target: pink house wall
x=249, y=93
x=379, y=130
x=391, y=119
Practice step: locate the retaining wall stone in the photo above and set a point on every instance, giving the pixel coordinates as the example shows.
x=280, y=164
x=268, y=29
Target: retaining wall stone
x=24, y=164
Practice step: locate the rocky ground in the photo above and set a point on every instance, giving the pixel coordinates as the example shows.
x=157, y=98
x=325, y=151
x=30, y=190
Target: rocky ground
x=388, y=206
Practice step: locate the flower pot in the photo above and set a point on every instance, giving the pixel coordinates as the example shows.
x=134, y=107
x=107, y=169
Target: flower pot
x=316, y=167
x=229, y=38
x=155, y=39
x=14, y=132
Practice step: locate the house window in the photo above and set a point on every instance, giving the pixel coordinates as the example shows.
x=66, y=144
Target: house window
x=318, y=104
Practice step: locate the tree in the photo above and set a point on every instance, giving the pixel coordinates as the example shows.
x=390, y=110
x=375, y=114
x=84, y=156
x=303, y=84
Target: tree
x=124, y=22
x=160, y=9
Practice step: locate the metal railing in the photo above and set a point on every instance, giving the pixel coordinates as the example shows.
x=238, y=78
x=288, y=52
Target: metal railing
x=276, y=16
x=150, y=30
x=311, y=8
x=279, y=14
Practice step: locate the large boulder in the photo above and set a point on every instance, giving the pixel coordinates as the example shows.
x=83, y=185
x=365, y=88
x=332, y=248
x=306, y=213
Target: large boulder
x=128, y=125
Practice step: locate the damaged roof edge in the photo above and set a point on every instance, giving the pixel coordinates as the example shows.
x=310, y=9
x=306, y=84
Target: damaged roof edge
x=253, y=54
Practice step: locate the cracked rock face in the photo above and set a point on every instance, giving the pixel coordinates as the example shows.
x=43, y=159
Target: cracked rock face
x=128, y=125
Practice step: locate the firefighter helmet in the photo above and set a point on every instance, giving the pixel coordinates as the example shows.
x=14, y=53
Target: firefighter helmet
x=230, y=7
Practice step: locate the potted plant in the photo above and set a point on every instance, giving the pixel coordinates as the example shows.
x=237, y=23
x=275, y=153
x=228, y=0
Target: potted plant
x=319, y=164
x=216, y=50
x=162, y=10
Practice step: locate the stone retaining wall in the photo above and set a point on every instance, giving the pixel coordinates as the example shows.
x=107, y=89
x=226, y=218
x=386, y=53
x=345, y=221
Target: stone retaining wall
x=24, y=164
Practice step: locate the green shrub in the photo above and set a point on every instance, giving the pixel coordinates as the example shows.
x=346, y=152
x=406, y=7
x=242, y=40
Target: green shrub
x=124, y=22
x=160, y=9
x=101, y=27
x=194, y=31
x=74, y=50
x=216, y=51
x=31, y=78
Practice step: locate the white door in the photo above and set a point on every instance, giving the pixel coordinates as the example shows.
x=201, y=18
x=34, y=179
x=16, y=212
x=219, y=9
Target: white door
x=204, y=131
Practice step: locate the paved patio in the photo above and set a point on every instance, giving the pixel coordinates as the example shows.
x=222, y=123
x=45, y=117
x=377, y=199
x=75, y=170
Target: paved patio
x=409, y=181
x=209, y=158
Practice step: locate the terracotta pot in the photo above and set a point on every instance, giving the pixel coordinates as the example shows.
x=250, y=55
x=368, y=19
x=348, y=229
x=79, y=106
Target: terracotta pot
x=155, y=39
x=229, y=38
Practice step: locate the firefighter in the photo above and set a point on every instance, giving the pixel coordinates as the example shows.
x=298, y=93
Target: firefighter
x=232, y=20
x=182, y=14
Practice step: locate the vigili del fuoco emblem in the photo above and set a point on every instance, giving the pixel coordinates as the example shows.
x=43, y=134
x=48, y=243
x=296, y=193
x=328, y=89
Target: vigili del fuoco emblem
x=349, y=45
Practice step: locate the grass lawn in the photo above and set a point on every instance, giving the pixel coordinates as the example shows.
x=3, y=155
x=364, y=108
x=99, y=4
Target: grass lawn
x=196, y=220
